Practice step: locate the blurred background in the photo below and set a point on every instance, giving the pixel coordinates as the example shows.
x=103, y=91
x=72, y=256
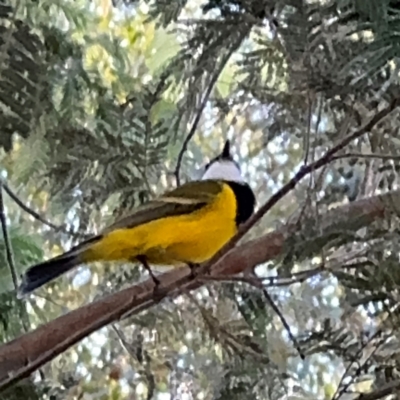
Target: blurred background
x=96, y=100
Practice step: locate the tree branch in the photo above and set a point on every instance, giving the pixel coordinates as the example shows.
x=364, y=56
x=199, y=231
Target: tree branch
x=22, y=356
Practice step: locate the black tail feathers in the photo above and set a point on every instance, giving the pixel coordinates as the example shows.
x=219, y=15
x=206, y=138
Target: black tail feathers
x=40, y=274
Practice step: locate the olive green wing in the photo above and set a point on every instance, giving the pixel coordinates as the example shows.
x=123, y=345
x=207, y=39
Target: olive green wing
x=185, y=199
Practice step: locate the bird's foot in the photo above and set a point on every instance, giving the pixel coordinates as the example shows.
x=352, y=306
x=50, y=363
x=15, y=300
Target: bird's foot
x=158, y=293
x=193, y=270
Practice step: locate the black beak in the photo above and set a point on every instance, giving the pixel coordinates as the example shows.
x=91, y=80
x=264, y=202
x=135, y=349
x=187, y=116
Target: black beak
x=226, y=152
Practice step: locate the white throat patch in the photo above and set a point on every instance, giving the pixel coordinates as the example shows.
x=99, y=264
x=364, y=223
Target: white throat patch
x=225, y=170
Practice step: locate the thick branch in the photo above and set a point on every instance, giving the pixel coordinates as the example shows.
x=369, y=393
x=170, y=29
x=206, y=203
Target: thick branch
x=25, y=354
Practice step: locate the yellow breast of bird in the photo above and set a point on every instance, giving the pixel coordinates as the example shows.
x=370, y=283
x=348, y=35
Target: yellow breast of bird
x=193, y=237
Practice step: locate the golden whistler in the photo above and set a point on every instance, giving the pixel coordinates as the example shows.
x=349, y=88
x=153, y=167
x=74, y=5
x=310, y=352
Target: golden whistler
x=185, y=225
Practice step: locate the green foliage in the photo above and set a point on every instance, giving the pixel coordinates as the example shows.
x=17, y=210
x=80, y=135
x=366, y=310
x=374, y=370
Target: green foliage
x=26, y=251
x=22, y=85
x=24, y=390
x=127, y=141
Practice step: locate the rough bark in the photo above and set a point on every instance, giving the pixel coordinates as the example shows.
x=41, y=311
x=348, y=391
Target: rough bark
x=28, y=352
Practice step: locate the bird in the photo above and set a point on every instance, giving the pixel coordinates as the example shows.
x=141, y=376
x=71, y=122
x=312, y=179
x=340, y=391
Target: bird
x=184, y=226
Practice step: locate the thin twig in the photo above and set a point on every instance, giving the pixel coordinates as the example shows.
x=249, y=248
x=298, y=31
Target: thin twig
x=145, y=371
x=275, y=308
x=257, y=283
x=35, y=215
x=220, y=333
x=6, y=238
x=123, y=341
x=10, y=259
x=269, y=281
x=203, y=104
x=296, y=277
x=343, y=387
x=284, y=323
x=306, y=141
x=368, y=156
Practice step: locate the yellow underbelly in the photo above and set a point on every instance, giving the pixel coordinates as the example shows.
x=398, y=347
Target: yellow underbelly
x=194, y=237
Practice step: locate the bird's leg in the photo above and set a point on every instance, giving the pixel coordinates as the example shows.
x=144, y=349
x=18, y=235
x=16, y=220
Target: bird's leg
x=158, y=294
x=193, y=267
x=143, y=261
